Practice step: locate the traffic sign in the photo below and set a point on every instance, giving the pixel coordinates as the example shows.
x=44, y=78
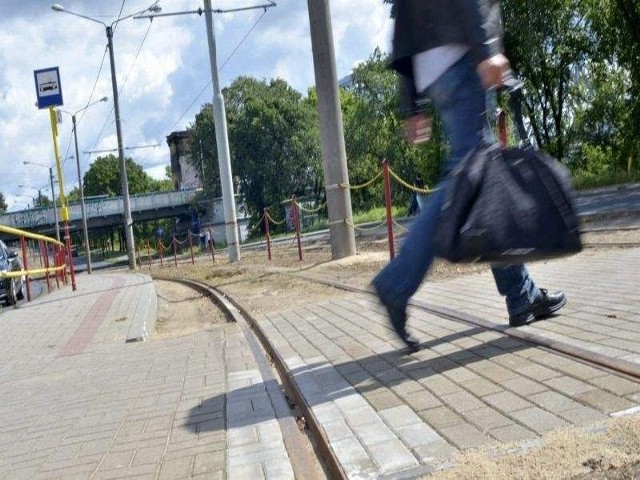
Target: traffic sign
x=48, y=88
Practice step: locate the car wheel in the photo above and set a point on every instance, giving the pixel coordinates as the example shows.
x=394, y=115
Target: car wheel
x=12, y=297
x=20, y=294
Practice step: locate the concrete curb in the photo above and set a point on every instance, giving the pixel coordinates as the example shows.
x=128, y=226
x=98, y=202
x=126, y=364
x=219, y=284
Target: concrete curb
x=144, y=320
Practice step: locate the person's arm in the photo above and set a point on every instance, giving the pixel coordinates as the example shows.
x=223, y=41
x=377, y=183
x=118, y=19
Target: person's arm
x=483, y=24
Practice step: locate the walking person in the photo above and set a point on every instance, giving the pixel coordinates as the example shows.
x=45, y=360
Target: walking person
x=452, y=53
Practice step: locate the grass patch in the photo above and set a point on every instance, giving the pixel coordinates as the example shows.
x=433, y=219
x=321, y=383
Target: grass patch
x=378, y=214
x=585, y=180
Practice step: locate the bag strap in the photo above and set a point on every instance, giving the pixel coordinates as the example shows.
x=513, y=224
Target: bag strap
x=513, y=85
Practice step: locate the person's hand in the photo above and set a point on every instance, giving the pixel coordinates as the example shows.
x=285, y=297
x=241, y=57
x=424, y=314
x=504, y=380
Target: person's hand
x=417, y=129
x=492, y=70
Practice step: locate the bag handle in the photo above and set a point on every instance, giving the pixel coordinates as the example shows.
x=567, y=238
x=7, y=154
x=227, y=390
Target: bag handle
x=513, y=85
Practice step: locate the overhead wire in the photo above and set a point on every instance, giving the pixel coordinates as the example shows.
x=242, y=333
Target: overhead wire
x=120, y=90
x=206, y=86
x=221, y=67
x=93, y=90
x=86, y=161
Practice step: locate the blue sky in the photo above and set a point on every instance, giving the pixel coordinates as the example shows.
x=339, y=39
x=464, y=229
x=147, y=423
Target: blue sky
x=162, y=70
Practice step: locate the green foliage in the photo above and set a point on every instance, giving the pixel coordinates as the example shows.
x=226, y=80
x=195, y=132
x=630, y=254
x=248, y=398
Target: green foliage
x=103, y=177
x=548, y=43
x=378, y=214
x=273, y=141
x=3, y=203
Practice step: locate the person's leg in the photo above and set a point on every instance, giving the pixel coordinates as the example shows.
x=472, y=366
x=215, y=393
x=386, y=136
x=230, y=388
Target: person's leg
x=460, y=100
x=525, y=301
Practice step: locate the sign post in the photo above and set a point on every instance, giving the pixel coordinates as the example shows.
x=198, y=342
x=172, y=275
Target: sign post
x=49, y=95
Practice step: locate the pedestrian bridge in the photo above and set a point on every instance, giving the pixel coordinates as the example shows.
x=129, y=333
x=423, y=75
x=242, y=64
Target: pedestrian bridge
x=107, y=212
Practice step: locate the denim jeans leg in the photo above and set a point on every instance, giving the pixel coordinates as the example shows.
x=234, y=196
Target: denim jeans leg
x=403, y=275
x=459, y=98
x=516, y=285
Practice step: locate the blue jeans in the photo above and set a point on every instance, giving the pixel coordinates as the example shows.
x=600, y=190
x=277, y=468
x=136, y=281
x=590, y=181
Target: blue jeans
x=461, y=102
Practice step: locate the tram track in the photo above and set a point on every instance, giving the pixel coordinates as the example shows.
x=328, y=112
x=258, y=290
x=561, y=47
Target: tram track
x=286, y=399
x=236, y=312
x=620, y=366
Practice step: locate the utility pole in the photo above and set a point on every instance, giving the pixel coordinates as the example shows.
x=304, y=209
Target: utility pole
x=128, y=221
x=334, y=157
x=53, y=199
x=220, y=123
x=85, y=230
x=222, y=142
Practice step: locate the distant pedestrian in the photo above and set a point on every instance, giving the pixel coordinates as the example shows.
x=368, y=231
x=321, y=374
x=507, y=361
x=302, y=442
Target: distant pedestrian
x=209, y=239
x=452, y=53
x=203, y=240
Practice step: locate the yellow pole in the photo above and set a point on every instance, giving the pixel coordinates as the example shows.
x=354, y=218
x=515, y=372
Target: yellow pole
x=64, y=212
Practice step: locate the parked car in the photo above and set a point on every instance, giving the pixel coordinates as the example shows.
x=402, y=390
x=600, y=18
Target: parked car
x=11, y=288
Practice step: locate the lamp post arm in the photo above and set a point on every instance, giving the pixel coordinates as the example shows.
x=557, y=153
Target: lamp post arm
x=128, y=222
x=85, y=17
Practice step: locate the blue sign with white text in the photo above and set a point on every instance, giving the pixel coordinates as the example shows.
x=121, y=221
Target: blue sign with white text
x=48, y=88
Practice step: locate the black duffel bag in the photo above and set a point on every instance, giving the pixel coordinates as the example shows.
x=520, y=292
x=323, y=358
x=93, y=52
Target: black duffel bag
x=508, y=205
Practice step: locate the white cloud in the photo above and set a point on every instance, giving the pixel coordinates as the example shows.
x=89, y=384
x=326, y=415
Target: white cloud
x=162, y=84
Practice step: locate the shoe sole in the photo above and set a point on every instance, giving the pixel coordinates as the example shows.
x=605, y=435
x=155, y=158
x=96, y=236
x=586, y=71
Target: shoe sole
x=551, y=310
x=540, y=315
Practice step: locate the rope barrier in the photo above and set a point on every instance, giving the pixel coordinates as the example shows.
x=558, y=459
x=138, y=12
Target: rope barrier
x=400, y=226
x=364, y=185
x=274, y=221
x=311, y=210
x=409, y=186
x=366, y=229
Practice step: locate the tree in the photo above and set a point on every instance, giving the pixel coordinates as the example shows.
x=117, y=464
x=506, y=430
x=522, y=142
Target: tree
x=103, y=177
x=549, y=43
x=617, y=26
x=3, y=203
x=273, y=140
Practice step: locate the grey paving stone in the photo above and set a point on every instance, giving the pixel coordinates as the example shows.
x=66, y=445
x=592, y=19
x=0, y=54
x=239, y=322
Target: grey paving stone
x=247, y=472
x=464, y=436
x=418, y=434
x=605, y=401
x=538, y=420
x=392, y=456
x=353, y=458
x=512, y=433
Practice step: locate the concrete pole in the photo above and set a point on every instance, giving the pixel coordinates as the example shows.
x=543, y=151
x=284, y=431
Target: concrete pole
x=85, y=230
x=128, y=222
x=343, y=243
x=53, y=199
x=222, y=142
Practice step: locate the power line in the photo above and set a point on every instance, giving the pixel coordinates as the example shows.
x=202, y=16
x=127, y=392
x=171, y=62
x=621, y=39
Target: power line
x=120, y=90
x=221, y=67
x=208, y=84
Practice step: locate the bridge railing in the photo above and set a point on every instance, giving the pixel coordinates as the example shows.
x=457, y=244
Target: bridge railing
x=102, y=207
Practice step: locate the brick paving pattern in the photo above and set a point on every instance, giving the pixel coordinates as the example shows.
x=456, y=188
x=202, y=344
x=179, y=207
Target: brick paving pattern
x=78, y=402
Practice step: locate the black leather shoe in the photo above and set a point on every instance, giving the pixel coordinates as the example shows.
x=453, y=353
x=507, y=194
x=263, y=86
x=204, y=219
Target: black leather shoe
x=544, y=306
x=398, y=318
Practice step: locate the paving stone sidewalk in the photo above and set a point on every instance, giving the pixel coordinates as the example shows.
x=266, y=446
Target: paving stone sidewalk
x=76, y=401
x=387, y=414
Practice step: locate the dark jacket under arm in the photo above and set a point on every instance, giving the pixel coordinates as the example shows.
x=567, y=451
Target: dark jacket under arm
x=421, y=25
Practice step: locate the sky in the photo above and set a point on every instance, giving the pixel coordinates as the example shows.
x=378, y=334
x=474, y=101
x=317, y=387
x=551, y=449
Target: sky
x=162, y=70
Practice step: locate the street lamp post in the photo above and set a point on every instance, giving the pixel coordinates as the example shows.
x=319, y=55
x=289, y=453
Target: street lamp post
x=128, y=222
x=85, y=230
x=220, y=124
x=53, y=194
